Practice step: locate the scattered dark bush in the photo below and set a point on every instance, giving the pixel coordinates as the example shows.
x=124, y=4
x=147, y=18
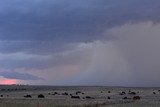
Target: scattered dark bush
x=136, y=98
x=88, y=97
x=75, y=97
x=65, y=93
x=109, y=98
x=55, y=93
x=125, y=98
x=41, y=96
x=78, y=92
x=132, y=93
x=122, y=93
x=28, y=96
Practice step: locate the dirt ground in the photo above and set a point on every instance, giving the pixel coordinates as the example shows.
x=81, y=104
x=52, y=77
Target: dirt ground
x=27, y=96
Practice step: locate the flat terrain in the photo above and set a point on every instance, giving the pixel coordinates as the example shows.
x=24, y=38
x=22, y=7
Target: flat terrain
x=51, y=96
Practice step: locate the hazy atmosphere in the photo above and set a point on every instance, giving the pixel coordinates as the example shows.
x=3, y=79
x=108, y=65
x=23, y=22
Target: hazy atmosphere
x=80, y=42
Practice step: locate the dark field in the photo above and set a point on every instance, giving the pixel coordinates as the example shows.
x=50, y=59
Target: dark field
x=52, y=96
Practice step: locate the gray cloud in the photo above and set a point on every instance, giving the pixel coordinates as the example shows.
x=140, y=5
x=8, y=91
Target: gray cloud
x=44, y=27
x=130, y=60
x=79, y=54
x=69, y=20
x=52, y=34
x=35, y=47
x=20, y=76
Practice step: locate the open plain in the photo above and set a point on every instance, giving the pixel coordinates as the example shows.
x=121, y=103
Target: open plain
x=77, y=96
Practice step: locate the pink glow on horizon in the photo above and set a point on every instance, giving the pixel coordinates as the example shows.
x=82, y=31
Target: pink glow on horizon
x=8, y=81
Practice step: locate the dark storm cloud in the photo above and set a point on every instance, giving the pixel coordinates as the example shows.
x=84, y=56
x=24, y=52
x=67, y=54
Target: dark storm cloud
x=28, y=26
x=69, y=21
x=13, y=64
x=20, y=76
x=71, y=36
x=44, y=21
x=41, y=61
x=34, y=47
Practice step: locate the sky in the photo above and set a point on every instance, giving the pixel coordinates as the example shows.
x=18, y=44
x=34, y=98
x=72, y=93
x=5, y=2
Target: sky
x=80, y=42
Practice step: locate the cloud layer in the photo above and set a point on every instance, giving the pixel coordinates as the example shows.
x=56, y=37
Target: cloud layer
x=132, y=59
x=19, y=76
x=85, y=42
